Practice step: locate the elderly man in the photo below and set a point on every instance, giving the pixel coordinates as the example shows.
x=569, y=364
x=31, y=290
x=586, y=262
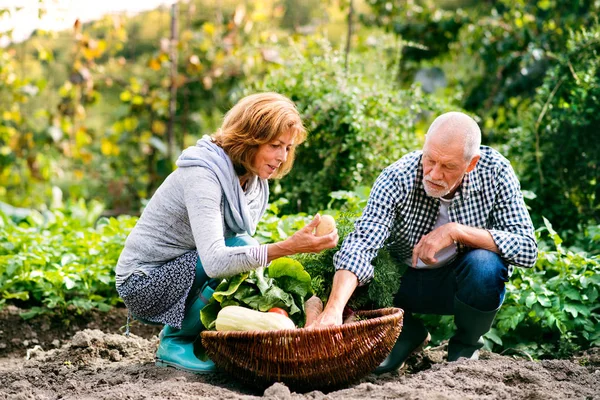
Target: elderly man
x=454, y=213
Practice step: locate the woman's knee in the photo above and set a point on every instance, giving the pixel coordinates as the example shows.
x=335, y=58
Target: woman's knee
x=241, y=240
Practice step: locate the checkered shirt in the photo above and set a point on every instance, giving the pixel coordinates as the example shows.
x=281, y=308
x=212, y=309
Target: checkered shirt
x=399, y=213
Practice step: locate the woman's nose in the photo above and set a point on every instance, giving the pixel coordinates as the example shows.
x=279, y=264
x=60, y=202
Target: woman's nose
x=282, y=155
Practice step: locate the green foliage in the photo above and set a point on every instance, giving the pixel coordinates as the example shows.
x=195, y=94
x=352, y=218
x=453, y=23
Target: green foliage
x=561, y=124
x=426, y=30
x=557, y=301
x=357, y=124
x=61, y=260
x=284, y=284
x=515, y=43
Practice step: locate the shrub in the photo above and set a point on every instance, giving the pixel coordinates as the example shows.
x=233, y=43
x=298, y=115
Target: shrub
x=358, y=124
x=561, y=127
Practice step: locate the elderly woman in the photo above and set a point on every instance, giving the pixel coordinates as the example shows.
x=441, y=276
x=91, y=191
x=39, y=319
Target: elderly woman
x=199, y=223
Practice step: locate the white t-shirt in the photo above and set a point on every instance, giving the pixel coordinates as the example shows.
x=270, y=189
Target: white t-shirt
x=447, y=253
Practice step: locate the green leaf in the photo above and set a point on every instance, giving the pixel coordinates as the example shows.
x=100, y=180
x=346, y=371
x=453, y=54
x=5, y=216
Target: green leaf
x=18, y=295
x=228, y=287
x=208, y=314
x=291, y=276
x=33, y=312
x=571, y=309
x=531, y=299
x=493, y=336
x=544, y=301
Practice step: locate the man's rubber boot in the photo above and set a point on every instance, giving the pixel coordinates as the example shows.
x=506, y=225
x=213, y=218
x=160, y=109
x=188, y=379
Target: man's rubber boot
x=413, y=338
x=471, y=324
x=176, y=347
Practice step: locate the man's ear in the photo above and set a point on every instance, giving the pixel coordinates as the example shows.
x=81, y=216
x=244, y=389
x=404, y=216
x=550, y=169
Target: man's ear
x=473, y=163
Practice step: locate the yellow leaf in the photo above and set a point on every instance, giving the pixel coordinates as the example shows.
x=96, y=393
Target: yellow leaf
x=159, y=127
x=154, y=64
x=108, y=148
x=209, y=28
x=78, y=174
x=205, y=45
x=145, y=136
x=86, y=156
x=186, y=35
x=130, y=124
x=82, y=138
x=125, y=96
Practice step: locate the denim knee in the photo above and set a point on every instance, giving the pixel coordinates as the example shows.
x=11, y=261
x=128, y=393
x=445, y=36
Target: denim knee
x=480, y=278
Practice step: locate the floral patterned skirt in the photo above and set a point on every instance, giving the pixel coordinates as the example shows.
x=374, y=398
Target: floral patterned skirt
x=160, y=297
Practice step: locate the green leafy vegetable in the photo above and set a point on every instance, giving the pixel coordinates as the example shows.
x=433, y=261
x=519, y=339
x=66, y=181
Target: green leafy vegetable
x=283, y=284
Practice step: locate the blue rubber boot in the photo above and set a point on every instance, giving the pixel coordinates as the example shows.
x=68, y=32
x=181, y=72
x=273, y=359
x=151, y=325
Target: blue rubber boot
x=176, y=347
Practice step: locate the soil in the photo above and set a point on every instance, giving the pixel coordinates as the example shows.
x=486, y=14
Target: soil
x=89, y=357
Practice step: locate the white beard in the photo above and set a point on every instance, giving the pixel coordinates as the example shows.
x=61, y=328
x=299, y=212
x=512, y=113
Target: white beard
x=437, y=193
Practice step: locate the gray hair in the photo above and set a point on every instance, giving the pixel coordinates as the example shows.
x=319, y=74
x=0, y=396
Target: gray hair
x=457, y=122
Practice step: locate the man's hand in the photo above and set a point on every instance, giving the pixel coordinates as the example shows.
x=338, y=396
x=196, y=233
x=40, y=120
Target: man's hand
x=434, y=241
x=328, y=317
x=344, y=283
x=447, y=234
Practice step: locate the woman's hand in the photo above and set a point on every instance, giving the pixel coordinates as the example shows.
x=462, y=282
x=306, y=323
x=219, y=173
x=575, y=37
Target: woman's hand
x=305, y=240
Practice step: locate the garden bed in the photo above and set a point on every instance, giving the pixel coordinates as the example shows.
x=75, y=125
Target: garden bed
x=90, y=358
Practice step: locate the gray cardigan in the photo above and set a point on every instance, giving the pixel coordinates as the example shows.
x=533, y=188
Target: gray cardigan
x=186, y=214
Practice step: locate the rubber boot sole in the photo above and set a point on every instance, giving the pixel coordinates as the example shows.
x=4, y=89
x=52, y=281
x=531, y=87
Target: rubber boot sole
x=165, y=364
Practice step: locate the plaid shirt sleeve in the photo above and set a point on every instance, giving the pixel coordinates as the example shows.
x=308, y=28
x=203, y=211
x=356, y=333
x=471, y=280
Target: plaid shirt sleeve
x=371, y=229
x=512, y=229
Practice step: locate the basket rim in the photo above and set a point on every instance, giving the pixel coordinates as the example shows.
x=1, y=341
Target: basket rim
x=389, y=314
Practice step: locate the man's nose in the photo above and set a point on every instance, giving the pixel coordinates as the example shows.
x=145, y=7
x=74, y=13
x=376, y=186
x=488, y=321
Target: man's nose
x=436, y=172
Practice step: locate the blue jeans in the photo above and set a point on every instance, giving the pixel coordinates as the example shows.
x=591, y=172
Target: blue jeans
x=476, y=278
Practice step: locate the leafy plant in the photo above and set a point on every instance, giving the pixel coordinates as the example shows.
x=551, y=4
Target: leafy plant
x=284, y=284
x=561, y=126
x=61, y=260
x=357, y=123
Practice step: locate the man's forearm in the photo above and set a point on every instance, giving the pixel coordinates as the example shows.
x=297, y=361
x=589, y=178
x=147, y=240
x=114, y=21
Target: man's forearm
x=344, y=283
x=475, y=238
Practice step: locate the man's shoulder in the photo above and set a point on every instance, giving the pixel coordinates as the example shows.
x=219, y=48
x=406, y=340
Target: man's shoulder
x=491, y=159
x=407, y=165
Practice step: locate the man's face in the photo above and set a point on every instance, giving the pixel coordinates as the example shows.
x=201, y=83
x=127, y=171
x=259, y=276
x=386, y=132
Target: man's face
x=444, y=164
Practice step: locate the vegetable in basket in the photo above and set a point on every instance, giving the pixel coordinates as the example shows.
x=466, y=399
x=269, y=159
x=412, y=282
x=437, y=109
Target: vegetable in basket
x=284, y=284
x=236, y=318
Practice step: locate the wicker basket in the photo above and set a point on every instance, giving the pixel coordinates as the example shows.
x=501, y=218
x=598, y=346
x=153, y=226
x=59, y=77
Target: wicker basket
x=307, y=359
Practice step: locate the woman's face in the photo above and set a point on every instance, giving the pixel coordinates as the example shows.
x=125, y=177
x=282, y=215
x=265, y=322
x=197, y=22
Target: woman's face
x=271, y=155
